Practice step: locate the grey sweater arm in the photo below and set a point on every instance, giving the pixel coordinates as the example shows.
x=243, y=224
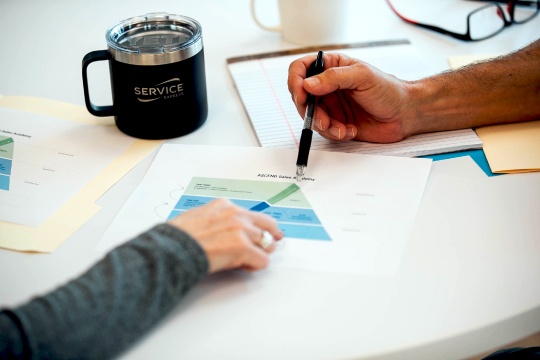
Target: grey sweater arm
x=101, y=313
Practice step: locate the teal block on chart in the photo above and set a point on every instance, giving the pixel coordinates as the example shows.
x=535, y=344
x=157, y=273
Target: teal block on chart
x=477, y=155
x=293, y=215
x=304, y=232
x=4, y=182
x=5, y=166
x=187, y=202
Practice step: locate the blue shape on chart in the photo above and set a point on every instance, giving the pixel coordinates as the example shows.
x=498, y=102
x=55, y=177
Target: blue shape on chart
x=293, y=215
x=246, y=204
x=187, y=202
x=477, y=155
x=260, y=207
x=174, y=214
x=4, y=182
x=5, y=166
x=281, y=214
x=299, y=223
x=305, y=232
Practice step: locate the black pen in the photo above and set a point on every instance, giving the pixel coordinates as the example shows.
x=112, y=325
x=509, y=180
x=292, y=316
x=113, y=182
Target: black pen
x=315, y=68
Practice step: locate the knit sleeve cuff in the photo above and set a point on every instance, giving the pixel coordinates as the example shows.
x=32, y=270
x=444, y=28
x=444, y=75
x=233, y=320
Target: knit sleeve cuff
x=188, y=243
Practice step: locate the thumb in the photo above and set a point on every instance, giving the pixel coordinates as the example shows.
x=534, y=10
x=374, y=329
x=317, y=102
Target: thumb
x=346, y=77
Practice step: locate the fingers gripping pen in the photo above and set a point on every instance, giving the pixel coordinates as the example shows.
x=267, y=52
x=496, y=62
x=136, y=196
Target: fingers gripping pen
x=315, y=68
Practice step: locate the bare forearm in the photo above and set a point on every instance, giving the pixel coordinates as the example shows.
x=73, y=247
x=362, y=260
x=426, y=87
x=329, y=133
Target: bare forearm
x=504, y=90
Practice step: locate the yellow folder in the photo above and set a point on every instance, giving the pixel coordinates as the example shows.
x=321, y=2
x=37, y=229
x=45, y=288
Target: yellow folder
x=512, y=148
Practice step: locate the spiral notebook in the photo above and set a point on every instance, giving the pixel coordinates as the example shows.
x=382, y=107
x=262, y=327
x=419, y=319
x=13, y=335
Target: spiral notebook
x=261, y=81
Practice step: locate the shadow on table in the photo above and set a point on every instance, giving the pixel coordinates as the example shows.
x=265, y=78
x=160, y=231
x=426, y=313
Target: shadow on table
x=533, y=340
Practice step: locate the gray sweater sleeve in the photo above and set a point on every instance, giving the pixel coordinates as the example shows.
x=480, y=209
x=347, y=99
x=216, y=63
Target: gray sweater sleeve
x=101, y=313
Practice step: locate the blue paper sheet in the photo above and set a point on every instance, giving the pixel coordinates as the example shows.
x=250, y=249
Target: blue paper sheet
x=477, y=155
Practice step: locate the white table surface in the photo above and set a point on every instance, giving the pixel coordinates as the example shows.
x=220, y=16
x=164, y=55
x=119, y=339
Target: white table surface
x=468, y=281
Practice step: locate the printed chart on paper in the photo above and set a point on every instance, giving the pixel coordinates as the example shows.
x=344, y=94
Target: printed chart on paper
x=353, y=216
x=45, y=161
x=6, y=161
x=285, y=202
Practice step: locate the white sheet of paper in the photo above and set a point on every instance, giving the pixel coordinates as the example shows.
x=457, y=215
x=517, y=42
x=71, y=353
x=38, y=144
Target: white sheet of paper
x=262, y=85
x=366, y=203
x=51, y=160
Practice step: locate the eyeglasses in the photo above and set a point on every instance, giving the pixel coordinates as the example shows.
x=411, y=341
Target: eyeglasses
x=489, y=20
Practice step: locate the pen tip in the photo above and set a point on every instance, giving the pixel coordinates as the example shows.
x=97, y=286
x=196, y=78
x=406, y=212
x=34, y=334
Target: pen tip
x=299, y=172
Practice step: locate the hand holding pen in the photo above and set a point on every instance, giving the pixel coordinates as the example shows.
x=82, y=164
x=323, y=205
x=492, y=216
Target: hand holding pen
x=356, y=100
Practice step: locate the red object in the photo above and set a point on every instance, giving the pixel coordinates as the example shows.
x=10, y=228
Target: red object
x=398, y=14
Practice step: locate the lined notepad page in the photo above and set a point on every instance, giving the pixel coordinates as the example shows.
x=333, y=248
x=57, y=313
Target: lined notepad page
x=262, y=85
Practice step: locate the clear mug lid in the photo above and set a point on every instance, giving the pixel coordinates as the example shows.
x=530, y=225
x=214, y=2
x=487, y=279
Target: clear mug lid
x=154, y=33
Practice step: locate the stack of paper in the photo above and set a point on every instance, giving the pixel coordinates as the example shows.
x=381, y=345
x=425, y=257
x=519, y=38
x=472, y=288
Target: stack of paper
x=261, y=81
x=71, y=213
x=53, y=159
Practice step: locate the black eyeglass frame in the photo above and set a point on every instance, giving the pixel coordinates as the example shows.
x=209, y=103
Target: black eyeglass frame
x=467, y=36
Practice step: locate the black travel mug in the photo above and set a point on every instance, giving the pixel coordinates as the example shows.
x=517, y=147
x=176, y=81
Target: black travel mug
x=156, y=64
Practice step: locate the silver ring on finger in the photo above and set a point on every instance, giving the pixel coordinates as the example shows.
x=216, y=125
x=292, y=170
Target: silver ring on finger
x=266, y=240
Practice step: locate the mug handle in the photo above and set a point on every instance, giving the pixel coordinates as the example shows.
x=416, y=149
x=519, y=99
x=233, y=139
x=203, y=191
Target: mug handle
x=87, y=60
x=269, y=28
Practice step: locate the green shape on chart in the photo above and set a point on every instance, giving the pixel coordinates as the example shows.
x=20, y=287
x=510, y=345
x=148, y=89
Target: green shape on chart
x=248, y=190
x=6, y=147
x=282, y=195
